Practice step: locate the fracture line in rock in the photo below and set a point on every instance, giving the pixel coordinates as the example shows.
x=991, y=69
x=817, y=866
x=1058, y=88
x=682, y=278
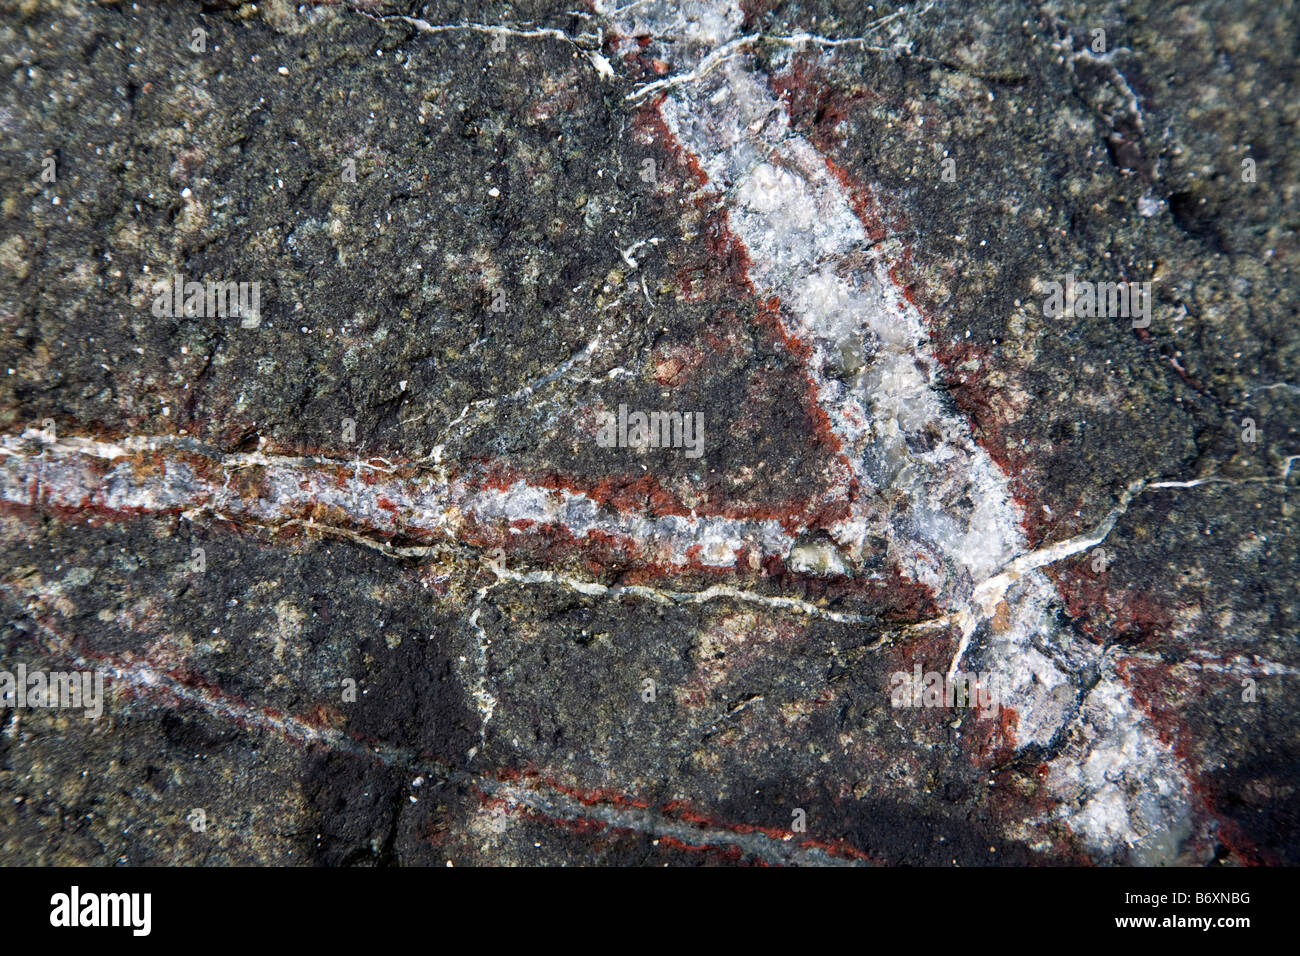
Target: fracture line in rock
x=667, y=596
x=162, y=474
x=587, y=44
x=706, y=66
x=1240, y=665
x=484, y=700
x=480, y=406
x=141, y=676
x=771, y=847
x=989, y=593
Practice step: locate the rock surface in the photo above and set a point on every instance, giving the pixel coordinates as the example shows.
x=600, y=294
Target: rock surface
x=923, y=571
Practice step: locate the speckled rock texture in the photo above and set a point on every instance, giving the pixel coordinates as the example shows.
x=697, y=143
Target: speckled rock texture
x=646, y=437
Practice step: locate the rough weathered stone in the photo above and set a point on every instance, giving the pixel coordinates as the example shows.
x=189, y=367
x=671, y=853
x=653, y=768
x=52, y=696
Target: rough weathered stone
x=477, y=230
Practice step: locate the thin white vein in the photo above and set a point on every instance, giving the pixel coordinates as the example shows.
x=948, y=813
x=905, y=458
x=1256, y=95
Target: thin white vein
x=711, y=62
x=586, y=43
x=716, y=592
x=754, y=843
x=483, y=698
